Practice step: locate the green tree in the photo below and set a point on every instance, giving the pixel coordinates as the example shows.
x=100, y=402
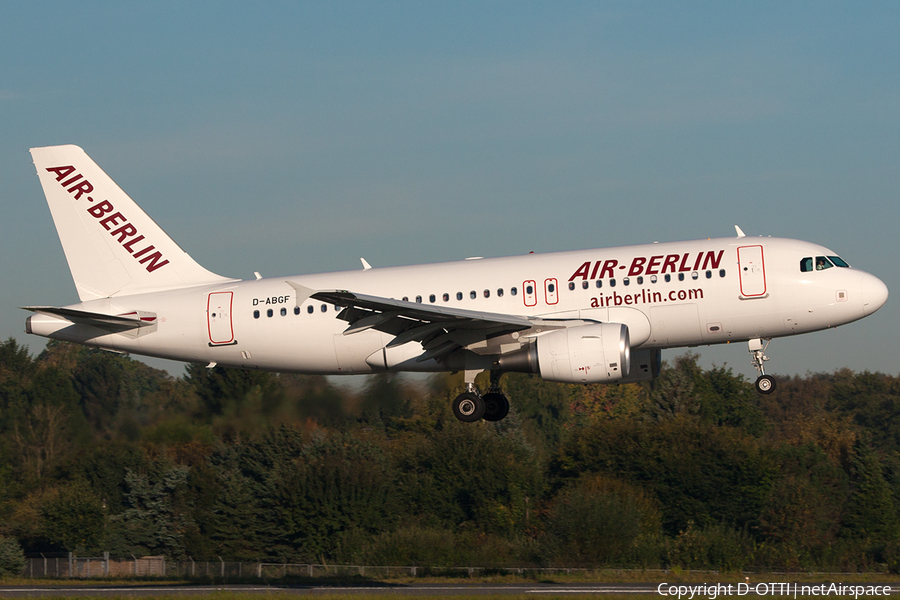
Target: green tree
x=717, y=546
x=871, y=514
x=543, y=407
x=801, y=519
x=157, y=516
x=872, y=401
x=104, y=466
x=699, y=472
x=315, y=401
x=16, y=371
x=715, y=396
x=230, y=516
x=298, y=494
x=469, y=477
x=597, y=520
x=238, y=403
x=12, y=559
x=73, y=518
x=384, y=398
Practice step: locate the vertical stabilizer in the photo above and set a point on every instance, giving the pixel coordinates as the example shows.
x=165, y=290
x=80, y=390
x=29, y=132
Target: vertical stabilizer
x=112, y=246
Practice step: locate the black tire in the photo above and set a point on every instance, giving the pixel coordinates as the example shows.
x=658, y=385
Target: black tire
x=496, y=406
x=765, y=384
x=468, y=407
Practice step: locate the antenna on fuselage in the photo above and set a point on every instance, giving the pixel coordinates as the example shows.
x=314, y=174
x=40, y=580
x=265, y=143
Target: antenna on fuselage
x=739, y=232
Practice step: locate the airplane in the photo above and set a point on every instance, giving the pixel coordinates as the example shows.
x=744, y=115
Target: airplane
x=586, y=316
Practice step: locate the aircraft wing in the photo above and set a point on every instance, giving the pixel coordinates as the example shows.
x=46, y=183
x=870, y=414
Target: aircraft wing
x=440, y=329
x=129, y=320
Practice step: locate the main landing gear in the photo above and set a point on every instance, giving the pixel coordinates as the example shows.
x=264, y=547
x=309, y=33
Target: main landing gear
x=765, y=384
x=470, y=406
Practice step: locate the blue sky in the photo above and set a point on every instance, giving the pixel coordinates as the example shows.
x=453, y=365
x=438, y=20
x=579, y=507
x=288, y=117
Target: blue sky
x=296, y=137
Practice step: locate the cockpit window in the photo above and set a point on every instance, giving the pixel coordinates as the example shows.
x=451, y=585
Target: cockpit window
x=806, y=264
x=823, y=263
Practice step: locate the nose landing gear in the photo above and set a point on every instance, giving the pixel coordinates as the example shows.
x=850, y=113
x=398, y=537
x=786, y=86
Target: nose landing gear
x=765, y=384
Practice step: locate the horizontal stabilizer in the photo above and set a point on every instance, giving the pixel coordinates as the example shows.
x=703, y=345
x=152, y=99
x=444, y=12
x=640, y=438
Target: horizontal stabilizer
x=130, y=320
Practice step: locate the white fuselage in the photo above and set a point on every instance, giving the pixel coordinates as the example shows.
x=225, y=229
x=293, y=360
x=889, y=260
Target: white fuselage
x=669, y=295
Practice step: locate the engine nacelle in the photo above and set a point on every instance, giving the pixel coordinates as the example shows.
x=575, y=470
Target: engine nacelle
x=584, y=354
x=645, y=366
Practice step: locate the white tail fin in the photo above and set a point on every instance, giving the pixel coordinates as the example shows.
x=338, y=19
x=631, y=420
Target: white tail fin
x=112, y=246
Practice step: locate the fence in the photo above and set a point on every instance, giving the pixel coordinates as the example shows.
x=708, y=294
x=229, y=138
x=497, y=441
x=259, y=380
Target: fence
x=95, y=566
x=158, y=566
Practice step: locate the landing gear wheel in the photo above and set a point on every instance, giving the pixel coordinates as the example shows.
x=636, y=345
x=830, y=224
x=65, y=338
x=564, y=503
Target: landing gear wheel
x=765, y=384
x=496, y=406
x=468, y=407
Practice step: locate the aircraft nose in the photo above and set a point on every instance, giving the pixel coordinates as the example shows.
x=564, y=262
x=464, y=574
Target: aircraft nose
x=874, y=293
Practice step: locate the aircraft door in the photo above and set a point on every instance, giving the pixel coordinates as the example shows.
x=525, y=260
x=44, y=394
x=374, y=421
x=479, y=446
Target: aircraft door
x=218, y=318
x=551, y=291
x=752, y=270
x=529, y=293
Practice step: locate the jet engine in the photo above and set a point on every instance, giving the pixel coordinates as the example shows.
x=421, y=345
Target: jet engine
x=584, y=354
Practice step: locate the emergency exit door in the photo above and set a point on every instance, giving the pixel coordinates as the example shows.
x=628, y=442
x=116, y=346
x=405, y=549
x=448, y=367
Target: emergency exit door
x=218, y=318
x=752, y=270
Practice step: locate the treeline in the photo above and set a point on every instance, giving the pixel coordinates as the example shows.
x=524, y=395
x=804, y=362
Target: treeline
x=101, y=452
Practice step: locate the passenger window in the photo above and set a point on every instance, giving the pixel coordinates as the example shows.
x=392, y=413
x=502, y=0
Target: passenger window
x=487, y=293
x=296, y=310
x=653, y=279
x=310, y=309
x=681, y=277
x=419, y=299
x=255, y=314
x=709, y=274
x=721, y=272
x=806, y=264
x=446, y=297
x=584, y=285
x=529, y=290
x=571, y=285
x=283, y=311
x=513, y=291
x=324, y=308
x=838, y=261
x=269, y=313
x=459, y=295
x=551, y=288
x=668, y=278
x=500, y=293
x=640, y=281
x=694, y=274
x=599, y=283
x=431, y=298
x=473, y=294
x=626, y=281
x=405, y=298
x=823, y=263
x=612, y=283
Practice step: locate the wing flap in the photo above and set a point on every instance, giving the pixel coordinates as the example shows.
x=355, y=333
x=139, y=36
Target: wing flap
x=440, y=329
x=420, y=312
